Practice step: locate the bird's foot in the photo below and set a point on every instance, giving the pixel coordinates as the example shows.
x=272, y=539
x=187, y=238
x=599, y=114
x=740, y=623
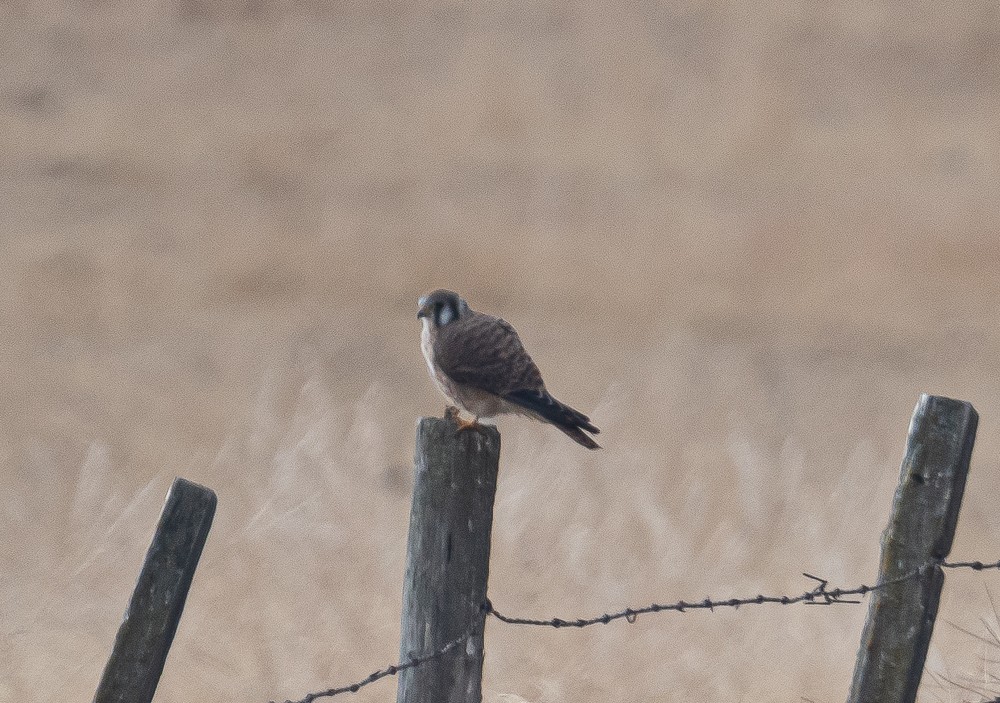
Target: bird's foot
x=472, y=424
x=451, y=412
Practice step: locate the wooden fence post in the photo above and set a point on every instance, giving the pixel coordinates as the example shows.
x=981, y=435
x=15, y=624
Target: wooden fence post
x=921, y=528
x=144, y=638
x=447, y=560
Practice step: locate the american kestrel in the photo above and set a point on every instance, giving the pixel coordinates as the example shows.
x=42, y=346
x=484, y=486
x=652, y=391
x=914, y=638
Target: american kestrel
x=479, y=364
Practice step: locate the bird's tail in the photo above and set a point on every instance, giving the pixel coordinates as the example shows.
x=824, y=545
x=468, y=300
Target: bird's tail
x=572, y=422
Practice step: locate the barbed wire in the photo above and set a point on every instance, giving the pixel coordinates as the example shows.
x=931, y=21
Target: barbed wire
x=974, y=565
x=394, y=669
x=821, y=594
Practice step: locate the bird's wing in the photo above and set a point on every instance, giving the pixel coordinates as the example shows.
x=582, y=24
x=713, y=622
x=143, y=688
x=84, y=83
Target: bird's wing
x=485, y=352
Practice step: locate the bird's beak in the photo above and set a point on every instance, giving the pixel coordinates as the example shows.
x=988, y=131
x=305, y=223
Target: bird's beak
x=423, y=310
x=421, y=313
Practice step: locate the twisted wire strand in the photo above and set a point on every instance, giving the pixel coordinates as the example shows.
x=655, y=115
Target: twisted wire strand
x=974, y=565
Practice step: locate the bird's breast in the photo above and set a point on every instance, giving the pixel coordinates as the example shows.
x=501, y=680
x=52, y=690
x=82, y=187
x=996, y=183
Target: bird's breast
x=427, y=346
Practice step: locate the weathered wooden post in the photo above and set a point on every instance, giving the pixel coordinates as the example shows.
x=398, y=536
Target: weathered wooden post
x=144, y=638
x=447, y=560
x=921, y=528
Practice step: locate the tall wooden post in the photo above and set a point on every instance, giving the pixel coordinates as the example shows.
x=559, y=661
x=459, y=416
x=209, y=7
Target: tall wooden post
x=921, y=528
x=145, y=635
x=447, y=560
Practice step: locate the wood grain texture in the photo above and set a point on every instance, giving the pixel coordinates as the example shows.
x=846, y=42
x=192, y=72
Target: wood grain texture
x=447, y=560
x=921, y=529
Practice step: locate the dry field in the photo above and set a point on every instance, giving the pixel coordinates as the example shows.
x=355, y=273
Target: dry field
x=743, y=236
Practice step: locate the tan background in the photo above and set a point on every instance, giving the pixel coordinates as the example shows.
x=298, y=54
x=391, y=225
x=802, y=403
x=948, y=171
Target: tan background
x=743, y=236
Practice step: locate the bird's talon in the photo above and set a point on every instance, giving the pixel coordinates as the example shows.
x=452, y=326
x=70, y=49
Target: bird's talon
x=464, y=425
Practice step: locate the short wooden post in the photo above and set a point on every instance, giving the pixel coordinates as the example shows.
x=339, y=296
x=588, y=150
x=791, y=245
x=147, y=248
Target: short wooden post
x=447, y=560
x=921, y=528
x=144, y=638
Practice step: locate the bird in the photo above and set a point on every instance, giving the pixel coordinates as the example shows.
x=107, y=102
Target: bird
x=478, y=362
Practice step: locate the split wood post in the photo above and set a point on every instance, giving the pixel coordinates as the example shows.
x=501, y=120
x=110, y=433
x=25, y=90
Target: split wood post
x=921, y=528
x=144, y=638
x=447, y=561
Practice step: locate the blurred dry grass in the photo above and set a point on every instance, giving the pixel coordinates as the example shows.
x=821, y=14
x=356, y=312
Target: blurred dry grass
x=745, y=235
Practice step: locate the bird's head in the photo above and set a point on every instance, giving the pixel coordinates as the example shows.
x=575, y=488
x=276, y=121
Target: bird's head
x=441, y=307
